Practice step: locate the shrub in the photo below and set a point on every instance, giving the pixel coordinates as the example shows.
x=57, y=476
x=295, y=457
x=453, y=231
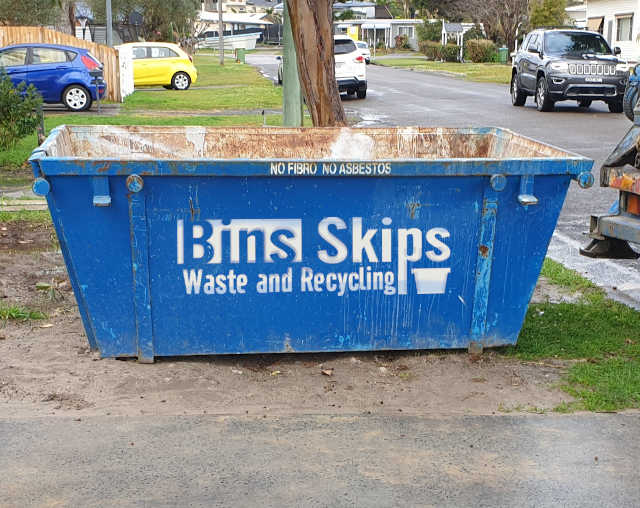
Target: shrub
x=479, y=50
x=430, y=31
x=474, y=33
x=432, y=50
x=450, y=52
x=18, y=116
x=402, y=42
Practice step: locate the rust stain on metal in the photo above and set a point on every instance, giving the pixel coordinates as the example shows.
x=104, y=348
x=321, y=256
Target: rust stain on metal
x=412, y=209
x=484, y=251
x=330, y=143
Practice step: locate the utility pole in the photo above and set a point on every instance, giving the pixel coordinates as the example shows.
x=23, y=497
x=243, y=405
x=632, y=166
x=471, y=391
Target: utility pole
x=291, y=90
x=220, y=33
x=109, y=25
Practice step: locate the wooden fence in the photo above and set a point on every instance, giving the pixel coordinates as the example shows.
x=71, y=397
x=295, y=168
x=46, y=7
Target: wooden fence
x=108, y=56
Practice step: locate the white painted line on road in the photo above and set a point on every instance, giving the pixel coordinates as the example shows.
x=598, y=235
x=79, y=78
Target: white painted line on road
x=605, y=273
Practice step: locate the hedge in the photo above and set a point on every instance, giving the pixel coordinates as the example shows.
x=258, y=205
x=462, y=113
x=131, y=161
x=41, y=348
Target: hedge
x=479, y=50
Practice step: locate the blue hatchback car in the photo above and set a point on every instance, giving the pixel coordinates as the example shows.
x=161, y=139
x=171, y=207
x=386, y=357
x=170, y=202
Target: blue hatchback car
x=59, y=73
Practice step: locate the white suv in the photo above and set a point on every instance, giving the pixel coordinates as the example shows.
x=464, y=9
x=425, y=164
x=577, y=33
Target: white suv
x=350, y=69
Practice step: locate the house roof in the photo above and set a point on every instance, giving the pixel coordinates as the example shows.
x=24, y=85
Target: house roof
x=263, y=3
x=241, y=18
x=350, y=5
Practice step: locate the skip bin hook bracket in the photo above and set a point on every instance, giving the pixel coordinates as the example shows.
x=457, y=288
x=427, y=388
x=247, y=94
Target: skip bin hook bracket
x=101, y=194
x=526, y=197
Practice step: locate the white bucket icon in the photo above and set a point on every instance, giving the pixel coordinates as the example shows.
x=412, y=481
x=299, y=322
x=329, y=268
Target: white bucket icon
x=430, y=281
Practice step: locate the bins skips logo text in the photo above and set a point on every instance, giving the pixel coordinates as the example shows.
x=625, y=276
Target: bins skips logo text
x=378, y=255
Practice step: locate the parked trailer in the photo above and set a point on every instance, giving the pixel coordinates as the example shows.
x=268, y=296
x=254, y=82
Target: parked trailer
x=192, y=240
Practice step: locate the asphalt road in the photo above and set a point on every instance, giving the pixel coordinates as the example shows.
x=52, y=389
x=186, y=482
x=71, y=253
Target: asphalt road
x=324, y=461
x=408, y=98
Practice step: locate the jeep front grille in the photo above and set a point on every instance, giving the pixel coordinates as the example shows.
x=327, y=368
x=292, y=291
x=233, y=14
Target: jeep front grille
x=592, y=69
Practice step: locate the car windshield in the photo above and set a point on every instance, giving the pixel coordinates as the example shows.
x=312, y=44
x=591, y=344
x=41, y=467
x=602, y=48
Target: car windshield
x=575, y=44
x=342, y=46
x=362, y=45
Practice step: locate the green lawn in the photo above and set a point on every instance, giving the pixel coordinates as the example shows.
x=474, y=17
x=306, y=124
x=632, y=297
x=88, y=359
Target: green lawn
x=211, y=73
x=482, y=72
x=600, y=335
x=252, y=91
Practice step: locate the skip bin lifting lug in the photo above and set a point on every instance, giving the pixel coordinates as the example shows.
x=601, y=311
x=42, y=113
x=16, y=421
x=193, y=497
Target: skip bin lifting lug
x=526, y=197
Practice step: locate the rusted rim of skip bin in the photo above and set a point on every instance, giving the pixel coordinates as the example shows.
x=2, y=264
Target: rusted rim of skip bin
x=333, y=152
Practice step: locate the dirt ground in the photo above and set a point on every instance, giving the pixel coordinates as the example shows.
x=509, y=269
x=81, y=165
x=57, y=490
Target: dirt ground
x=46, y=367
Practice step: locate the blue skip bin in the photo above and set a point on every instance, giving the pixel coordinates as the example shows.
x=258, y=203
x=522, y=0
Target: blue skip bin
x=190, y=240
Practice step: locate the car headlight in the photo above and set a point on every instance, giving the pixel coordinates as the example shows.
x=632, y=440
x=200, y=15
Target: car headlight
x=560, y=66
x=622, y=67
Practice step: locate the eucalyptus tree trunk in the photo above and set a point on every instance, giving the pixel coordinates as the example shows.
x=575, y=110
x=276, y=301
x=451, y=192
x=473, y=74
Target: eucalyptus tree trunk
x=312, y=27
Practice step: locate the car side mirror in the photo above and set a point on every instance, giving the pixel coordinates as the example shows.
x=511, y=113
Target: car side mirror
x=278, y=57
x=617, y=50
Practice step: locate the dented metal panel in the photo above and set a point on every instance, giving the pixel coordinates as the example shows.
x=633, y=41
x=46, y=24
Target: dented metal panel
x=195, y=240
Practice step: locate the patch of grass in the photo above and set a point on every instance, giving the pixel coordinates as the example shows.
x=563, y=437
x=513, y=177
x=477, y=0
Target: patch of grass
x=262, y=96
x=578, y=330
x=561, y=276
x=568, y=407
x=602, y=333
x=18, y=313
x=481, y=72
x=211, y=73
x=161, y=119
x=254, y=92
x=606, y=385
x=33, y=216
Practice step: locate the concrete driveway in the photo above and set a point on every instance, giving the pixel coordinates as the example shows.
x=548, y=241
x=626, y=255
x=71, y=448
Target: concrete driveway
x=403, y=97
x=321, y=460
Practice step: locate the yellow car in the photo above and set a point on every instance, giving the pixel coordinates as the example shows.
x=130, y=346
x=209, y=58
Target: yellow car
x=162, y=63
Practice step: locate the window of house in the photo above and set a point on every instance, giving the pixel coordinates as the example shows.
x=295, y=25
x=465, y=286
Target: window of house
x=624, y=27
x=406, y=30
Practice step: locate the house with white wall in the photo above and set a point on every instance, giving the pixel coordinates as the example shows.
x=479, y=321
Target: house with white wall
x=577, y=14
x=619, y=22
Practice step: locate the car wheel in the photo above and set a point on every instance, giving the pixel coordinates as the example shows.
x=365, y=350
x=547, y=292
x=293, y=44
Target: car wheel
x=76, y=98
x=518, y=98
x=168, y=87
x=543, y=101
x=585, y=103
x=615, y=107
x=181, y=81
x=629, y=101
x=361, y=94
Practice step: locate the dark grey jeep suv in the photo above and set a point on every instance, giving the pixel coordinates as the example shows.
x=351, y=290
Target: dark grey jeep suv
x=561, y=65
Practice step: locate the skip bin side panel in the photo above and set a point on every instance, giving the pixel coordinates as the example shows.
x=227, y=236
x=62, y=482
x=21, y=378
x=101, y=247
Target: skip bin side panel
x=341, y=251
x=98, y=242
x=523, y=234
